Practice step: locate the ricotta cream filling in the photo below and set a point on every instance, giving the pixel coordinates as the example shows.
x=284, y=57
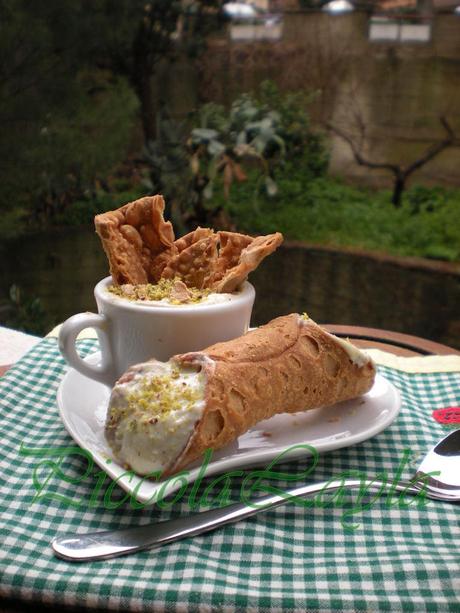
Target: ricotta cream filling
x=358, y=357
x=152, y=413
x=209, y=299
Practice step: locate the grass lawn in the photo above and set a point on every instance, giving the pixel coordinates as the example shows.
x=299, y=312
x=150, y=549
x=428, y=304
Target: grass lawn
x=328, y=212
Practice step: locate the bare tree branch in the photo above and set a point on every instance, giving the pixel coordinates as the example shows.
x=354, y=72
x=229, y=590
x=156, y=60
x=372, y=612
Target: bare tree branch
x=359, y=157
x=446, y=125
x=433, y=150
x=401, y=173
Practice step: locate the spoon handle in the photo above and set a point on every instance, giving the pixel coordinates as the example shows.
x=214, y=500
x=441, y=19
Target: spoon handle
x=114, y=543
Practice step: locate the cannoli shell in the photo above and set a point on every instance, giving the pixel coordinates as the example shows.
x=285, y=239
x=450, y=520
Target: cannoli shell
x=141, y=248
x=194, y=264
x=239, y=257
x=167, y=259
x=289, y=365
x=231, y=246
x=132, y=236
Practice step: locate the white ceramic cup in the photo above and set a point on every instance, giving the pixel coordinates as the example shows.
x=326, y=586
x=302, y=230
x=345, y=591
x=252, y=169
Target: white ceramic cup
x=130, y=332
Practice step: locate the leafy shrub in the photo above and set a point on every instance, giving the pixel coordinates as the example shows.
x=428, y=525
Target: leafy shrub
x=61, y=152
x=256, y=136
x=425, y=198
x=249, y=132
x=295, y=126
x=267, y=129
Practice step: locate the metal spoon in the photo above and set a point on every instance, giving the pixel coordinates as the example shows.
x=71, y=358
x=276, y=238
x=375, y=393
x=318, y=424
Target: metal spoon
x=443, y=459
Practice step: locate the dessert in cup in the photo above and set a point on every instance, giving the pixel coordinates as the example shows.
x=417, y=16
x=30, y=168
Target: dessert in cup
x=165, y=295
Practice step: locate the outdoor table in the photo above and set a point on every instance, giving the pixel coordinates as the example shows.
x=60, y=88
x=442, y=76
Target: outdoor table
x=17, y=343
x=400, y=557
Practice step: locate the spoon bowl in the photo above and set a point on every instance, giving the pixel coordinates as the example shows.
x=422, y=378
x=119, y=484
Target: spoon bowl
x=440, y=469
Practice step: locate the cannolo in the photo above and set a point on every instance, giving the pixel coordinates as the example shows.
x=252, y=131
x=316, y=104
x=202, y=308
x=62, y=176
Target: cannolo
x=163, y=416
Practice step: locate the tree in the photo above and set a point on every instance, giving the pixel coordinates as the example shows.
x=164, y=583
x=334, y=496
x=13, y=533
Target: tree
x=63, y=122
x=70, y=74
x=132, y=38
x=401, y=174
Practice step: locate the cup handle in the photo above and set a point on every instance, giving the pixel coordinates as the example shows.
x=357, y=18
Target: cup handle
x=104, y=372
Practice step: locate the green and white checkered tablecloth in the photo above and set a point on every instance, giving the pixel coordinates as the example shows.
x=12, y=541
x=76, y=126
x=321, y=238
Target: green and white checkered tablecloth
x=399, y=557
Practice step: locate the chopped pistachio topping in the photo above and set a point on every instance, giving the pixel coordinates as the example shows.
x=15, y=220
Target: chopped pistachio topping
x=164, y=289
x=305, y=316
x=155, y=397
x=153, y=412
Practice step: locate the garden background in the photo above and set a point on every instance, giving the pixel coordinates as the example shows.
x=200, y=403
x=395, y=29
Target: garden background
x=339, y=129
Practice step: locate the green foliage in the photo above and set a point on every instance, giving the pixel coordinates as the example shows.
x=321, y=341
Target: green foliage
x=71, y=154
x=63, y=121
x=72, y=77
x=295, y=126
x=169, y=165
x=257, y=135
x=13, y=222
x=422, y=198
x=82, y=212
x=326, y=211
x=133, y=35
x=25, y=313
x=248, y=132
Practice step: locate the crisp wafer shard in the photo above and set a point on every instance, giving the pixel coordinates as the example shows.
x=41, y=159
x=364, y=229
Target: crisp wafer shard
x=164, y=259
x=287, y=366
x=248, y=260
x=194, y=265
x=141, y=249
x=192, y=237
x=195, y=258
x=231, y=244
x=180, y=292
x=132, y=237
